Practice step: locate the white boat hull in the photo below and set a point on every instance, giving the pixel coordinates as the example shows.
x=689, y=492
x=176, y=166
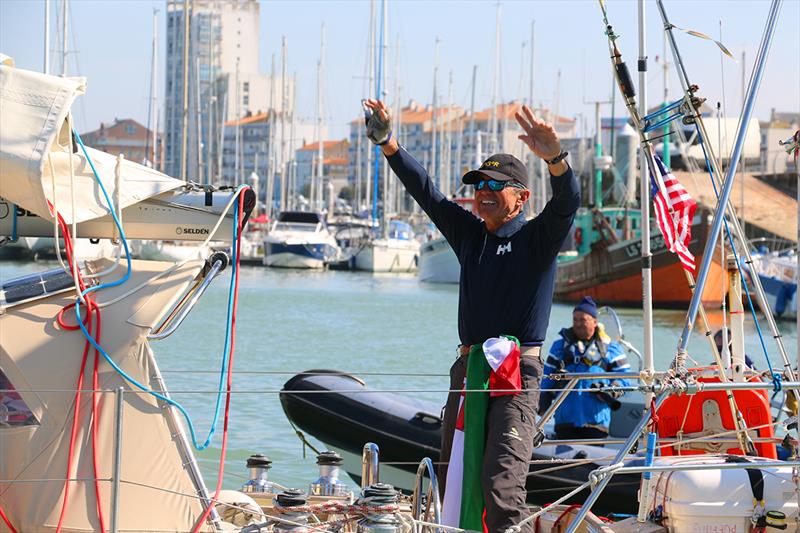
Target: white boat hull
x=438, y=262
x=292, y=260
x=169, y=251
x=388, y=255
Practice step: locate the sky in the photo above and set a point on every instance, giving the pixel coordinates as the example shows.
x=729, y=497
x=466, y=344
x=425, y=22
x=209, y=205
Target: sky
x=110, y=44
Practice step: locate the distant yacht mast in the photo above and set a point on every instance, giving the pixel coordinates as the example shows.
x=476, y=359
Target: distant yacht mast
x=495, y=85
x=65, y=7
x=152, y=112
x=46, y=66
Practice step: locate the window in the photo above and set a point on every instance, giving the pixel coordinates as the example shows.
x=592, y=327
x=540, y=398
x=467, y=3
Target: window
x=246, y=100
x=246, y=87
x=130, y=129
x=14, y=412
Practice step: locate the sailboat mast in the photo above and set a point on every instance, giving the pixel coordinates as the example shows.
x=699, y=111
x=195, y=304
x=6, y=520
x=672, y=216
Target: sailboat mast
x=385, y=96
x=270, y=186
x=292, y=188
x=373, y=8
x=199, y=123
x=152, y=113
x=647, y=258
x=447, y=128
x=282, y=151
x=185, y=101
x=435, y=110
x=317, y=196
x=237, y=131
x=378, y=88
x=495, y=84
x=473, y=133
x=533, y=48
x=64, y=26
x=398, y=120
x=316, y=180
x=46, y=66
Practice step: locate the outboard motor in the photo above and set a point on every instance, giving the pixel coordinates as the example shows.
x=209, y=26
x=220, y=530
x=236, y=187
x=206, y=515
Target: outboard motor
x=295, y=522
x=380, y=521
x=328, y=483
x=259, y=466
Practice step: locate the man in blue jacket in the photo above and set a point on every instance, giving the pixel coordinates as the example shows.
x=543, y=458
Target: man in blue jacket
x=584, y=348
x=508, y=267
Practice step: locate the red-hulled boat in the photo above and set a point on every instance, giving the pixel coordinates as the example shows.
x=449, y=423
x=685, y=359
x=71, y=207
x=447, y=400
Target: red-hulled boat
x=611, y=272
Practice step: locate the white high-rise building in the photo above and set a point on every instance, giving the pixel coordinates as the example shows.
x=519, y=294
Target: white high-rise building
x=224, y=82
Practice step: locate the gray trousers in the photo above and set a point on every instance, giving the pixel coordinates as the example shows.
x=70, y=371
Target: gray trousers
x=510, y=425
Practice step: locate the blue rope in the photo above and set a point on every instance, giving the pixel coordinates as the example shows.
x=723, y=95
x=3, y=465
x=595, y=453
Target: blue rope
x=663, y=110
x=229, y=321
x=650, y=127
x=776, y=377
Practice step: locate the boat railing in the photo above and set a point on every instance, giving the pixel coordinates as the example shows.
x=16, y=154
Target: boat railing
x=219, y=260
x=620, y=336
x=663, y=384
x=433, y=501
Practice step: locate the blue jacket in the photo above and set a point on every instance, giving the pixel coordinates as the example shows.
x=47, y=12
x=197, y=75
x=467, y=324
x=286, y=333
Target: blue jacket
x=507, y=277
x=600, y=354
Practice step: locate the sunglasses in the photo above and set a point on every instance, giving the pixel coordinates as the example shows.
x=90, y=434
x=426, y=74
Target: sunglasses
x=497, y=185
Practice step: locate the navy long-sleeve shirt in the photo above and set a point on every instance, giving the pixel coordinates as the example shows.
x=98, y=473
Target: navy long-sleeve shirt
x=507, y=277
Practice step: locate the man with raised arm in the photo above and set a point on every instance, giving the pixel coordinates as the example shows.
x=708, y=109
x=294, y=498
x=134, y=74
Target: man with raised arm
x=508, y=267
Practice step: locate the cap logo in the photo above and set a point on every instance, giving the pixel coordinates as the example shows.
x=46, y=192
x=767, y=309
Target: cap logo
x=495, y=164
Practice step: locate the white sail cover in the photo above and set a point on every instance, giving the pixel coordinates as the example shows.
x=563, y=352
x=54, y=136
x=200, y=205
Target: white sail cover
x=42, y=362
x=34, y=109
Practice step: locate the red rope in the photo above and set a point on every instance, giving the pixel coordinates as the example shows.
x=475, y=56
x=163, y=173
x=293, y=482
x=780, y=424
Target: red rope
x=229, y=381
x=73, y=433
x=96, y=420
x=565, y=513
x=91, y=308
x=6, y=520
x=654, y=415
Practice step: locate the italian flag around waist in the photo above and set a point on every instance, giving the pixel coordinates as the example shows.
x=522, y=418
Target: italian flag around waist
x=494, y=367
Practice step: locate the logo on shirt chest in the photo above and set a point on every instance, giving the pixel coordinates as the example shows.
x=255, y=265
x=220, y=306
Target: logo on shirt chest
x=503, y=248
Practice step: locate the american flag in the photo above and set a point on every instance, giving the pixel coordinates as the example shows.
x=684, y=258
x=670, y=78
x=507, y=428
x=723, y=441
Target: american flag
x=674, y=214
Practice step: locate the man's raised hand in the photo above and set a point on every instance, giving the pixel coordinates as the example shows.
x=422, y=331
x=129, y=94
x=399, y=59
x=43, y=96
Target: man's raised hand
x=378, y=121
x=539, y=136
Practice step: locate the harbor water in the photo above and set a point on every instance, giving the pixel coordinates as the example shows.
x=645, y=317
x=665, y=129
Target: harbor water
x=396, y=333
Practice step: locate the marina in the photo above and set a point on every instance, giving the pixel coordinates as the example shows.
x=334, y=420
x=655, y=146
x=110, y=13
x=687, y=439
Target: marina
x=457, y=319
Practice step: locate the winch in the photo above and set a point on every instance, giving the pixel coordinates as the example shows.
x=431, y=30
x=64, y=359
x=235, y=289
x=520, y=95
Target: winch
x=291, y=521
x=328, y=483
x=382, y=520
x=259, y=466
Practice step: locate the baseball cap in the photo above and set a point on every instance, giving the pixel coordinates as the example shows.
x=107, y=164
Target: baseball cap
x=500, y=167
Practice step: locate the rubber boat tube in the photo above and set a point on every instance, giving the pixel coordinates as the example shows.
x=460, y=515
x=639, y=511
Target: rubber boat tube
x=407, y=430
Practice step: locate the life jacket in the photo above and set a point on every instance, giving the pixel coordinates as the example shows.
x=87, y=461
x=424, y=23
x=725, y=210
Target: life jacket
x=590, y=353
x=582, y=408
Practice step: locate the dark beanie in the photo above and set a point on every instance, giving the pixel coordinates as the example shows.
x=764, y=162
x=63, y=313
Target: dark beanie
x=587, y=306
